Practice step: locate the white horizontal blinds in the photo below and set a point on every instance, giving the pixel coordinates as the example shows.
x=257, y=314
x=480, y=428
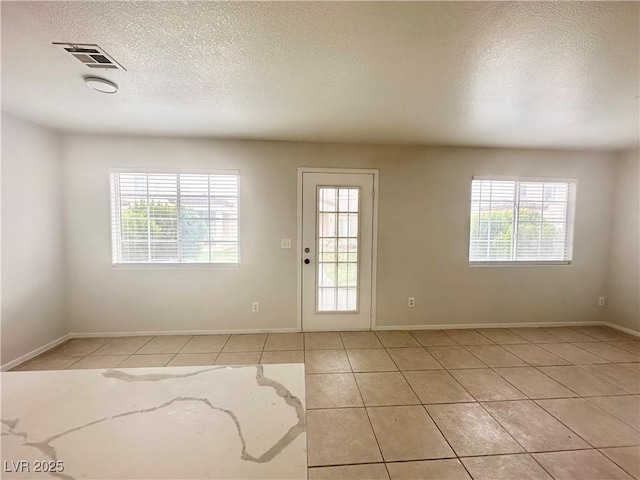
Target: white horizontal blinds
x=542, y=221
x=175, y=218
x=209, y=218
x=518, y=220
x=492, y=220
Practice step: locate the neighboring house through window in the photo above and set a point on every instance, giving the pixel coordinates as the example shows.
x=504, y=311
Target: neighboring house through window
x=175, y=218
x=515, y=221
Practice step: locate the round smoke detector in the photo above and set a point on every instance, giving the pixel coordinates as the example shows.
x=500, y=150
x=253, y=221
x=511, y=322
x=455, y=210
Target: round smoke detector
x=101, y=85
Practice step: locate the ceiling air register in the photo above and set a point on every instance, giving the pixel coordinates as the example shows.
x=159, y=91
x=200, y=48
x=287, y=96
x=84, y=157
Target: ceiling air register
x=91, y=55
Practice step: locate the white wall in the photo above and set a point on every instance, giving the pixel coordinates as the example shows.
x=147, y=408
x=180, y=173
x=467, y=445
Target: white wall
x=32, y=238
x=623, y=289
x=423, y=238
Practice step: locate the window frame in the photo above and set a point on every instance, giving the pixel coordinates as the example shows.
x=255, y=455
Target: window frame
x=114, y=217
x=569, y=224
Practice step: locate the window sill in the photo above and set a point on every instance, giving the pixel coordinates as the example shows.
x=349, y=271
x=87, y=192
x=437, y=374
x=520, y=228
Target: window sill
x=174, y=265
x=525, y=263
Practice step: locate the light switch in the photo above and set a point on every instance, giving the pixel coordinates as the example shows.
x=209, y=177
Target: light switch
x=285, y=243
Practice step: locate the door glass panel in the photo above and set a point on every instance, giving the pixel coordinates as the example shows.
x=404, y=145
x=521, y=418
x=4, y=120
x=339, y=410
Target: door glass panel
x=338, y=241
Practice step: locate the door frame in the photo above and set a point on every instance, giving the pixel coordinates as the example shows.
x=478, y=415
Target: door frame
x=374, y=240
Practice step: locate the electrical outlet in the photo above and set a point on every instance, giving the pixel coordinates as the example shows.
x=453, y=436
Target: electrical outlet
x=601, y=301
x=285, y=243
x=411, y=302
x=255, y=307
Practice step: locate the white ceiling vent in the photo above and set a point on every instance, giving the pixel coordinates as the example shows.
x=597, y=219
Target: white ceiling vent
x=91, y=55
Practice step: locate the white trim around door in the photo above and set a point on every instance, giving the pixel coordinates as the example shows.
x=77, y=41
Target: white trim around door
x=374, y=260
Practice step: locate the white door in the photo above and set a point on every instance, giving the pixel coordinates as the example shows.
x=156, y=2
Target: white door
x=337, y=250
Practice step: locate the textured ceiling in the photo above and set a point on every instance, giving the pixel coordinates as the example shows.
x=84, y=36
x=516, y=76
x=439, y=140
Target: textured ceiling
x=530, y=74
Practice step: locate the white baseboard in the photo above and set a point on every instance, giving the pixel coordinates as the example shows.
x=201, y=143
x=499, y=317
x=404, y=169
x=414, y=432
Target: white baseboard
x=34, y=353
x=181, y=332
x=630, y=331
x=450, y=326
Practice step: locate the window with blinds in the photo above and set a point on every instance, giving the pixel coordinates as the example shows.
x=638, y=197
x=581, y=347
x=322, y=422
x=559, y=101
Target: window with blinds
x=168, y=218
x=521, y=220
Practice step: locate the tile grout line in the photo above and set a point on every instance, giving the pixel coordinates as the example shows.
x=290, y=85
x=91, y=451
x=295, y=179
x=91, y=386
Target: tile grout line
x=594, y=405
x=529, y=453
x=636, y=428
x=437, y=426
x=569, y=398
x=581, y=367
x=567, y=426
x=573, y=344
x=538, y=368
x=433, y=421
x=460, y=458
x=514, y=438
x=493, y=369
x=615, y=463
x=373, y=430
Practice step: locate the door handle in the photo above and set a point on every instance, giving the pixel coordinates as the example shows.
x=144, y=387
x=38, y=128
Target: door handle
x=306, y=261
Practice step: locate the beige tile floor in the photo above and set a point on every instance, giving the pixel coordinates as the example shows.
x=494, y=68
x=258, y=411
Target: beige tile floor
x=534, y=403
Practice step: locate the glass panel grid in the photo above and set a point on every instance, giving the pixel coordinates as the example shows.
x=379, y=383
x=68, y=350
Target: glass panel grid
x=338, y=246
